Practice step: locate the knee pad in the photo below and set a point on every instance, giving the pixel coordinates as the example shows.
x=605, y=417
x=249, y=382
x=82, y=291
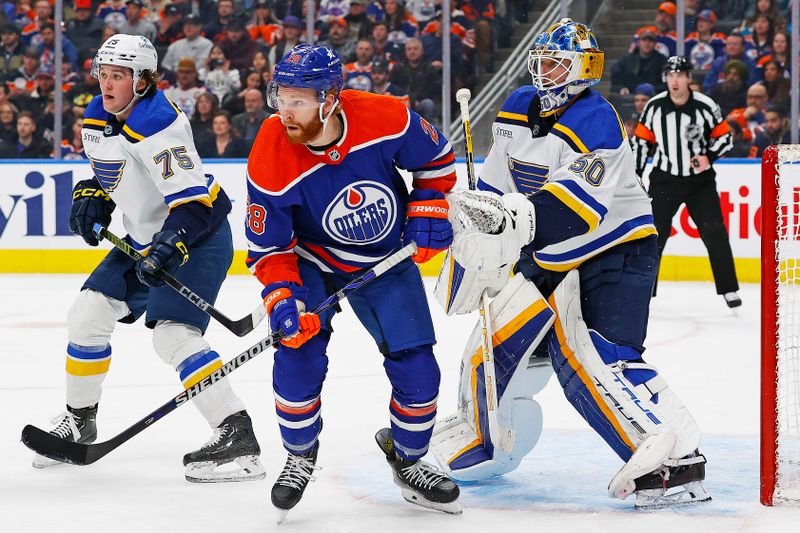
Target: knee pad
x=92, y=317
x=175, y=342
x=617, y=393
x=414, y=374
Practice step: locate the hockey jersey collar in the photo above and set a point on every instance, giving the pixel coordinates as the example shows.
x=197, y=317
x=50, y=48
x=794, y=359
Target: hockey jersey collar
x=335, y=153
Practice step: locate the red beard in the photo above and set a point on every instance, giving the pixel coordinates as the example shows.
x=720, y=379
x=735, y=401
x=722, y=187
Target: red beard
x=304, y=133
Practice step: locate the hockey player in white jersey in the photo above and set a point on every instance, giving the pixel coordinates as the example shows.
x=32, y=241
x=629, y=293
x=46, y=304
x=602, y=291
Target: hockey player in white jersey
x=560, y=175
x=144, y=162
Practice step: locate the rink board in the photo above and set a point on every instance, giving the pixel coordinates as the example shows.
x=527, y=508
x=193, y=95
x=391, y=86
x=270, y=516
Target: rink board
x=36, y=197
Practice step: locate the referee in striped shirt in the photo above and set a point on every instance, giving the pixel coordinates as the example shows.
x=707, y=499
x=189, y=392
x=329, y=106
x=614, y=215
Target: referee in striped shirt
x=686, y=131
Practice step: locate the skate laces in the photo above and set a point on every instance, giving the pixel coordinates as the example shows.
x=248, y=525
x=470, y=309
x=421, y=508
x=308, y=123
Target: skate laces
x=298, y=471
x=217, y=436
x=66, y=425
x=423, y=474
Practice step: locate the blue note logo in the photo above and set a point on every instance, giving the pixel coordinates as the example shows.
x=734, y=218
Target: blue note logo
x=108, y=172
x=362, y=213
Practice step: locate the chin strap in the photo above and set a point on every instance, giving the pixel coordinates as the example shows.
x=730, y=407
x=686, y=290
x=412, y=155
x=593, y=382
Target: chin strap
x=325, y=119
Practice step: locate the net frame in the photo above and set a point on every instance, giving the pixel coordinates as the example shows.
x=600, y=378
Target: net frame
x=780, y=327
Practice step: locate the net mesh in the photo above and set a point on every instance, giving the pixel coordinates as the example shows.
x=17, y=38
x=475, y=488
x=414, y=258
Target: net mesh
x=787, y=250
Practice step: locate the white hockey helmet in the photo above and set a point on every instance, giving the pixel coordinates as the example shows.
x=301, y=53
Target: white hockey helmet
x=132, y=51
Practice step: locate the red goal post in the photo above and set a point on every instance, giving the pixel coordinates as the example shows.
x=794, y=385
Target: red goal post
x=780, y=325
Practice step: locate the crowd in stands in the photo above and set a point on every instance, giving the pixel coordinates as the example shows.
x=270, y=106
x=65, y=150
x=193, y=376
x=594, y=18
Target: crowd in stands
x=217, y=56
x=740, y=52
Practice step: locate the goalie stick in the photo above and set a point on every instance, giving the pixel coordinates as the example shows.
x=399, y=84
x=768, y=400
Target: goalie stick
x=240, y=327
x=54, y=447
x=462, y=97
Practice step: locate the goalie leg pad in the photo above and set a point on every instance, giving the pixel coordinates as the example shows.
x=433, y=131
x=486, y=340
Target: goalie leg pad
x=462, y=443
x=459, y=290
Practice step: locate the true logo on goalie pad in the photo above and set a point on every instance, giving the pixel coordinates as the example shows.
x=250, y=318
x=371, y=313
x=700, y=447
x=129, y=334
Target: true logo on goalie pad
x=362, y=213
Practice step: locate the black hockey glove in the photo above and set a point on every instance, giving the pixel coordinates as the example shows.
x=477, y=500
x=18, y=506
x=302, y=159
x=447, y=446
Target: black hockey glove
x=167, y=253
x=90, y=204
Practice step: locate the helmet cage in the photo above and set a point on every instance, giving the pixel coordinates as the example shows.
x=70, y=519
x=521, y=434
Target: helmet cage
x=578, y=71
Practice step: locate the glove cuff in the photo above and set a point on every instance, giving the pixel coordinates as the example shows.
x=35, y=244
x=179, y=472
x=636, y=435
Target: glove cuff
x=281, y=290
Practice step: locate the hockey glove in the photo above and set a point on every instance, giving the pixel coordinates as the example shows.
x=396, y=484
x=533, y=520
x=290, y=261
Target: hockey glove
x=167, y=253
x=285, y=303
x=427, y=224
x=90, y=204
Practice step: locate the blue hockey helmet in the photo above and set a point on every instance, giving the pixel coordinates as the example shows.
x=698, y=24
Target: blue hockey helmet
x=307, y=66
x=565, y=59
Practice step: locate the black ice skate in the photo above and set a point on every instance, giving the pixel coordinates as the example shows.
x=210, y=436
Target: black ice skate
x=678, y=483
x=230, y=455
x=420, y=483
x=297, y=472
x=74, y=425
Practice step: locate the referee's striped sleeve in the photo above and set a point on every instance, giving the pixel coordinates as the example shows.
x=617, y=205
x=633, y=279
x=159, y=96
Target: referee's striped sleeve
x=721, y=137
x=643, y=139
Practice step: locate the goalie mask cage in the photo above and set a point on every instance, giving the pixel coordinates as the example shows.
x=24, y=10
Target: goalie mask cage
x=780, y=325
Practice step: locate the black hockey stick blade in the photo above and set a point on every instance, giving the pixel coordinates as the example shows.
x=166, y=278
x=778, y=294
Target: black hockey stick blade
x=59, y=449
x=240, y=327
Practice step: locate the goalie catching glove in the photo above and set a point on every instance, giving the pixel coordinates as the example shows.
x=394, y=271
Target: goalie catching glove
x=427, y=224
x=285, y=303
x=490, y=230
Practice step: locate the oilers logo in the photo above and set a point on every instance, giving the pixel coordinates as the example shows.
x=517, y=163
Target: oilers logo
x=362, y=213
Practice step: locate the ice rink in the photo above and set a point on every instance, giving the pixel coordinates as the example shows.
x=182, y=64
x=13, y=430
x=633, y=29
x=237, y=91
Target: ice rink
x=709, y=356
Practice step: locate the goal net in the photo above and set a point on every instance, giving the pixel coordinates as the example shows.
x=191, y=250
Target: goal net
x=780, y=325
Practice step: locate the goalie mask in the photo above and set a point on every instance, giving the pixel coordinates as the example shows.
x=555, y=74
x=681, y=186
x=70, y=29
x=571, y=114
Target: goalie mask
x=565, y=59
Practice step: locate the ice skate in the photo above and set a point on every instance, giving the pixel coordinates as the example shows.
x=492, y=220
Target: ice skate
x=680, y=483
x=230, y=455
x=649, y=455
x=292, y=482
x=75, y=425
x=420, y=483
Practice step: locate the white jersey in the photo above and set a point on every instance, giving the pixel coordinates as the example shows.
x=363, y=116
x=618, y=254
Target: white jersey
x=147, y=164
x=579, y=174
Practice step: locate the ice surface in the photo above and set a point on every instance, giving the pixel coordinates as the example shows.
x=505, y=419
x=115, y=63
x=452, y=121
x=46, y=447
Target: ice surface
x=709, y=356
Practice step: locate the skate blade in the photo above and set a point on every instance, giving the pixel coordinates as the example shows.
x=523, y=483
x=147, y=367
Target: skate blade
x=283, y=514
x=410, y=496
x=653, y=499
x=40, y=461
x=244, y=468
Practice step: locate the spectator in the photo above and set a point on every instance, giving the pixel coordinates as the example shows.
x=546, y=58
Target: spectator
x=82, y=93
x=734, y=49
x=23, y=80
x=424, y=11
x=333, y=9
x=340, y=41
x=401, y=24
x=358, y=72
x=383, y=47
x=730, y=10
x=185, y=93
x=432, y=43
x=193, y=46
x=664, y=30
x=8, y=123
x=762, y=7
x=41, y=96
x=171, y=29
x=109, y=32
x=424, y=83
x=85, y=30
x=29, y=144
x=778, y=87
x=224, y=142
x=292, y=27
x=263, y=27
x=238, y=46
x=641, y=95
x=12, y=49
x=643, y=65
x=691, y=10
x=776, y=130
x=705, y=45
x=382, y=85
x=225, y=15
x=741, y=146
x=781, y=53
x=480, y=14
x=43, y=13
x=260, y=62
x=72, y=148
x=763, y=33
x=47, y=47
x=731, y=93
x=249, y=122
x=203, y=119
x=112, y=13
x=220, y=78
x=357, y=19
x=135, y=23
x=751, y=118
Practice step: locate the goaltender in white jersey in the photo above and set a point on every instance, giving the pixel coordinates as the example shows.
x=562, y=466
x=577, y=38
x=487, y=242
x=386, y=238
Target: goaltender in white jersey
x=561, y=177
x=144, y=162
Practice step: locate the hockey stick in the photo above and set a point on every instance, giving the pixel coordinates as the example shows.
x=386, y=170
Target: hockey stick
x=462, y=97
x=56, y=448
x=240, y=327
